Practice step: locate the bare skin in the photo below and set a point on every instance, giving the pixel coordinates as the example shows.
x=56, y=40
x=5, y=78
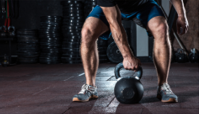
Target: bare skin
x=94, y=27
x=162, y=47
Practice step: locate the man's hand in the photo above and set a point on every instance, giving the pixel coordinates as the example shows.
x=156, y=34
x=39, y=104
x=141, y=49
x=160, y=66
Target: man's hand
x=182, y=25
x=131, y=63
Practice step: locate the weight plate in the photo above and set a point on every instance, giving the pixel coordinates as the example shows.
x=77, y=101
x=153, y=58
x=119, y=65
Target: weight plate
x=49, y=61
x=30, y=49
x=71, y=53
x=114, y=54
x=71, y=34
x=80, y=7
x=73, y=8
x=42, y=47
x=42, y=19
x=28, y=60
x=50, y=17
x=76, y=55
x=72, y=37
x=50, y=23
x=71, y=58
x=32, y=32
x=49, y=35
x=26, y=39
x=50, y=29
x=75, y=15
x=68, y=36
x=49, y=32
x=51, y=41
x=74, y=5
x=71, y=49
x=28, y=54
x=49, y=44
x=73, y=24
x=27, y=36
x=69, y=45
x=71, y=40
x=71, y=18
x=46, y=38
x=73, y=21
x=48, y=55
x=71, y=11
x=50, y=51
x=71, y=62
x=70, y=2
x=27, y=45
x=71, y=30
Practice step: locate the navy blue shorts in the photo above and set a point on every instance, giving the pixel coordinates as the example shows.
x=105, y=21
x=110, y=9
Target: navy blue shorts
x=141, y=16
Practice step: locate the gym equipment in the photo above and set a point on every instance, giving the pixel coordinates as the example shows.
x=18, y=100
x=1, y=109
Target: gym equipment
x=28, y=46
x=129, y=89
x=73, y=19
x=193, y=56
x=5, y=61
x=114, y=54
x=50, y=39
x=180, y=56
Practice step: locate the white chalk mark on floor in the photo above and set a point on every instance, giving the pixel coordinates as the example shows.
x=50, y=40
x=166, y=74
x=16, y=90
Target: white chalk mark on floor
x=68, y=78
x=42, y=90
x=81, y=74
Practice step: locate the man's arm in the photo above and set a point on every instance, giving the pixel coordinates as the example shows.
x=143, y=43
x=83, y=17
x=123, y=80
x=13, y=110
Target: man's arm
x=113, y=17
x=182, y=22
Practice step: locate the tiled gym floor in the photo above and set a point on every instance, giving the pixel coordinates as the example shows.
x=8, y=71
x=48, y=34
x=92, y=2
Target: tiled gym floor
x=48, y=89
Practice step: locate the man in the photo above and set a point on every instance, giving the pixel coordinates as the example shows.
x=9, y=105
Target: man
x=106, y=17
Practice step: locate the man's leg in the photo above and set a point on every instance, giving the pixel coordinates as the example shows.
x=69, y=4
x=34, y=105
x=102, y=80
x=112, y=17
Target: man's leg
x=92, y=29
x=162, y=47
x=162, y=56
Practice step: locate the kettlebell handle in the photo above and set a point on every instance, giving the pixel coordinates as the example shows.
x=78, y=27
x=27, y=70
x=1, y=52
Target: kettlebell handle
x=120, y=65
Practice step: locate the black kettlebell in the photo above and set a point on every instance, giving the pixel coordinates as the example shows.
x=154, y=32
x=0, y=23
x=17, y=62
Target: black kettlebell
x=128, y=90
x=193, y=56
x=180, y=56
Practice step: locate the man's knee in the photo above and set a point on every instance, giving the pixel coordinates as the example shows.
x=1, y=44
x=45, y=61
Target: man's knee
x=160, y=30
x=87, y=35
x=160, y=27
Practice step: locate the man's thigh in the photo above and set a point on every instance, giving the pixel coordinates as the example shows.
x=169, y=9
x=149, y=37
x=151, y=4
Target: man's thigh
x=156, y=22
x=147, y=12
x=94, y=26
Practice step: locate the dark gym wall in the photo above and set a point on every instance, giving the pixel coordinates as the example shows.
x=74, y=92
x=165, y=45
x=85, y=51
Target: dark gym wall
x=29, y=17
x=31, y=10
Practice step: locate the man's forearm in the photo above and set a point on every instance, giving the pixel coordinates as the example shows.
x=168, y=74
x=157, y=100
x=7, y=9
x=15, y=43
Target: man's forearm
x=113, y=17
x=179, y=6
x=120, y=38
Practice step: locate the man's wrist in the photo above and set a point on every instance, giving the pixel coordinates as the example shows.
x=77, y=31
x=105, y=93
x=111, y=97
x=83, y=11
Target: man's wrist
x=181, y=15
x=128, y=56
